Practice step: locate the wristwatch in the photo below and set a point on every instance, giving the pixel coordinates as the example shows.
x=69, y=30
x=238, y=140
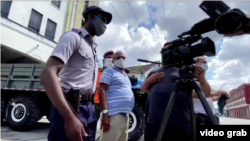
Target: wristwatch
x=105, y=111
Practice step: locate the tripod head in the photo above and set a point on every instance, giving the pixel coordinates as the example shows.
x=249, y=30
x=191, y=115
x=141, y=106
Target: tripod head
x=186, y=72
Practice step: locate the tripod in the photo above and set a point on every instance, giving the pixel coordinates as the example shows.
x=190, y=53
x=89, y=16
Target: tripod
x=186, y=79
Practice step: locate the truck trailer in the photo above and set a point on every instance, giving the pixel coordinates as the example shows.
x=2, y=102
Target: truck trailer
x=24, y=101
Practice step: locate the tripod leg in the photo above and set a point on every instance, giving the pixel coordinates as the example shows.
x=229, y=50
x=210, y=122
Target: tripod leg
x=204, y=103
x=192, y=116
x=168, y=112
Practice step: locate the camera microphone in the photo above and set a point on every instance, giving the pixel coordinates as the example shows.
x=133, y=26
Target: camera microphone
x=201, y=27
x=146, y=61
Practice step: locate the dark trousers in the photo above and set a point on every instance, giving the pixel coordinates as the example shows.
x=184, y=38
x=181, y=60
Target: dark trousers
x=97, y=110
x=171, y=133
x=86, y=115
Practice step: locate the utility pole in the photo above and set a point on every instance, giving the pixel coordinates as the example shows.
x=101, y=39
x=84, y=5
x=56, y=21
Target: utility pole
x=85, y=6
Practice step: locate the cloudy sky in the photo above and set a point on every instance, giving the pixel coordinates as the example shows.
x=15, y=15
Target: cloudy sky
x=139, y=28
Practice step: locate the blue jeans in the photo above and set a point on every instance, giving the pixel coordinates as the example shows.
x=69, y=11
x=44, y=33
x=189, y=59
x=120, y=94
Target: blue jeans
x=86, y=115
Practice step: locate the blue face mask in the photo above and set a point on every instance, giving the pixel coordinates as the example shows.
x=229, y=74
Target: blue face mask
x=205, y=66
x=99, y=26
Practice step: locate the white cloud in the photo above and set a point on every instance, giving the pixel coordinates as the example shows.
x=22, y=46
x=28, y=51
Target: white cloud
x=229, y=69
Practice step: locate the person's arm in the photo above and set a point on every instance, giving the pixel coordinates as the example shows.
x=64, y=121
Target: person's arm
x=205, y=88
x=215, y=98
x=152, y=78
x=104, y=83
x=59, y=57
x=145, y=86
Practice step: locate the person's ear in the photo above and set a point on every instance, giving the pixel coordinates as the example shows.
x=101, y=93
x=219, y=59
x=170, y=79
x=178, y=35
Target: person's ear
x=91, y=16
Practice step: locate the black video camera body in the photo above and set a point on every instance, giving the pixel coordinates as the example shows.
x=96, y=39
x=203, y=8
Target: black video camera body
x=181, y=52
x=227, y=21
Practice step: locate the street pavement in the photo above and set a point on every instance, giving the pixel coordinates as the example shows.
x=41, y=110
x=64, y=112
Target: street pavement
x=41, y=131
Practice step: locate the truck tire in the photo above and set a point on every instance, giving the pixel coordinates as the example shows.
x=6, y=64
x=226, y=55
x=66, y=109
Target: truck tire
x=22, y=113
x=136, y=123
x=3, y=108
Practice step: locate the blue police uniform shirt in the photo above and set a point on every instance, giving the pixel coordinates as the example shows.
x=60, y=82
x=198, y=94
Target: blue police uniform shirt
x=158, y=98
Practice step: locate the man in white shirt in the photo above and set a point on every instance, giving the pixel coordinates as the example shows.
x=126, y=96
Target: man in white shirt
x=214, y=96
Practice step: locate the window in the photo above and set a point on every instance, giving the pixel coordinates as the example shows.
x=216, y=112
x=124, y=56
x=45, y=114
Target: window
x=56, y=3
x=35, y=21
x=50, y=30
x=5, y=8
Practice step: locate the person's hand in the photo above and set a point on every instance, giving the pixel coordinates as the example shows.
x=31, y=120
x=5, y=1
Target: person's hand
x=238, y=33
x=105, y=125
x=199, y=72
x=156, y=77
x=74, y=130
x=222, y=92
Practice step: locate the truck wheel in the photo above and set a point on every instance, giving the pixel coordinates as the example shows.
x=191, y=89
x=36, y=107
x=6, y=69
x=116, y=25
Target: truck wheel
x=22, y=113
x=3, y=108
x=136, y=123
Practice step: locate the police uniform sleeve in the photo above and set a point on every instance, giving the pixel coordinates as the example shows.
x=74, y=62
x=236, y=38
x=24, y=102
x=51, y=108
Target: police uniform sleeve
x=66, y=46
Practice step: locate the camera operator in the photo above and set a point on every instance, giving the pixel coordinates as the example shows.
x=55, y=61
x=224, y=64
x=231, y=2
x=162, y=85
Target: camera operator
x=213, y=96
x=160, y=84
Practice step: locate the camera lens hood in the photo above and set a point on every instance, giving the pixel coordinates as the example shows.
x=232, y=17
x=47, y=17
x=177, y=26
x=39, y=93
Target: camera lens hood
x=231, y=21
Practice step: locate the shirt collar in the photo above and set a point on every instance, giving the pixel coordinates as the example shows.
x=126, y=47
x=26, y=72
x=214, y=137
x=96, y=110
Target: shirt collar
x=119, y=70
x=86, y=33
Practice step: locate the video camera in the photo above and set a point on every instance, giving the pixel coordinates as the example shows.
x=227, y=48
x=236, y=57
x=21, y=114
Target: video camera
x=225, y=21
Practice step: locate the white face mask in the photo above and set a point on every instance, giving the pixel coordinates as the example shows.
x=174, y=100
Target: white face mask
x=108, y=62
x=119, y=63
x=205, y=66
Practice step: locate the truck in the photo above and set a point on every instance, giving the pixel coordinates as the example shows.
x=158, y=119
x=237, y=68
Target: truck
x=24, y=101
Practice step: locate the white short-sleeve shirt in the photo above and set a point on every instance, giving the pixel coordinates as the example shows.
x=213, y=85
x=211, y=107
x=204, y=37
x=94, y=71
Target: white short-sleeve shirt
x=80, y=61
x=198, y=105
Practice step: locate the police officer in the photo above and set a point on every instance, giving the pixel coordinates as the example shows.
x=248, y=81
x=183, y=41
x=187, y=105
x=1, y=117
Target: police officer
x=75, y=58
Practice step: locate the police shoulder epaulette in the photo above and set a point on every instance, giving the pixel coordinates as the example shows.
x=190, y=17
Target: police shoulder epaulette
x=78, y=31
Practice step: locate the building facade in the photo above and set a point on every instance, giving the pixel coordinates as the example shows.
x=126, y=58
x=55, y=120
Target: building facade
x=31, y=29
x=142, y=71
x=238, y=105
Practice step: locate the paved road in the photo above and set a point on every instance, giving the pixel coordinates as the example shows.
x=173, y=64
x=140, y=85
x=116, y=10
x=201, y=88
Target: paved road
x=40, y=133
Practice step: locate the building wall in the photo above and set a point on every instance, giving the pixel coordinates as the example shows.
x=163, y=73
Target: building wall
x=16, y=35
x=21, y=10
x=69, y=15
x=247, y=94
x=238, y=105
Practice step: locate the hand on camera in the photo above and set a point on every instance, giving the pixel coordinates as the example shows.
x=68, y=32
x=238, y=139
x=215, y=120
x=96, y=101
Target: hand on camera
x=74, y=130
x=156, y=77
x=105, y=124
x=221, y=92
x=199, y=72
